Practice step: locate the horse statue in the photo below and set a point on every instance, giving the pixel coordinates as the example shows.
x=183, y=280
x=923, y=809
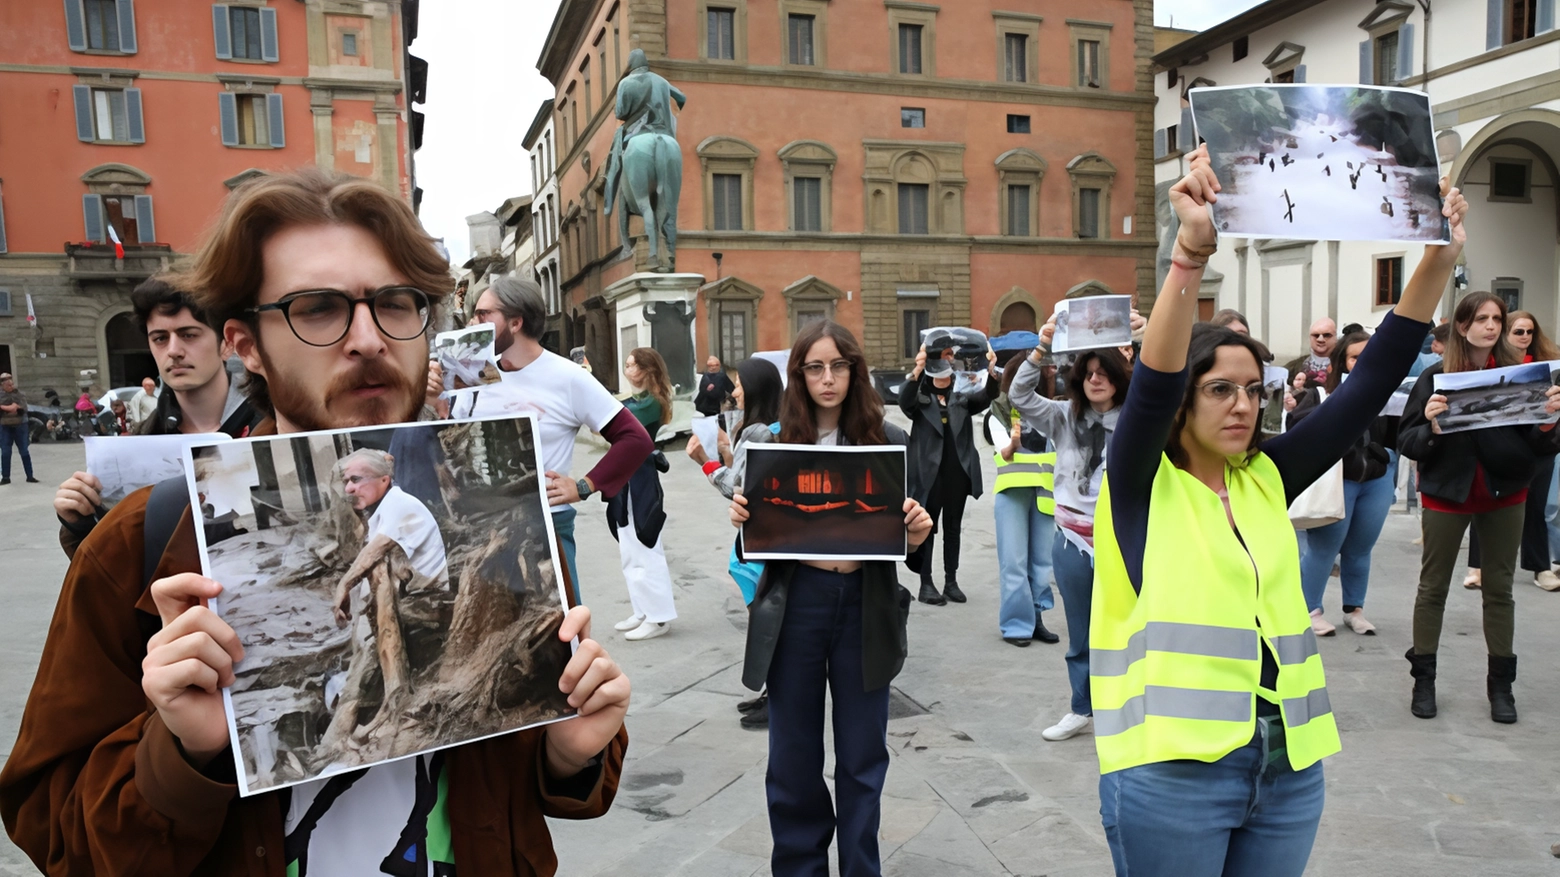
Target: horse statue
x=646, y=163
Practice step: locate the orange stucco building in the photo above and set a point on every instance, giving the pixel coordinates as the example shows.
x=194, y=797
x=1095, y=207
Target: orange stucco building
x=140, y=118
x=891, y=164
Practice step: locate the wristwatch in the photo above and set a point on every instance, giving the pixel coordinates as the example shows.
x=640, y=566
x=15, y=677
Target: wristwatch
x=583, y=487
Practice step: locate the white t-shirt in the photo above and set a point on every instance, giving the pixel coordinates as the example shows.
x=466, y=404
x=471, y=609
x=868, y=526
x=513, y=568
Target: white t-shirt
x=405, y=519
x=563, y=396
x=362, y=826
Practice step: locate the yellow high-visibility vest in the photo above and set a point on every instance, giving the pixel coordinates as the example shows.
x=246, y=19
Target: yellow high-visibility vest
x=1029, y=470
x=1176, y=670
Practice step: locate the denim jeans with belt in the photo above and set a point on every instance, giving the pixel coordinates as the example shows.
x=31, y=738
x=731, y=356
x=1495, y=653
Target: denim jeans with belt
x=1235, y=817
x=819, y=649
x=1074, y=570
x=1023, y=560
x=18, y=435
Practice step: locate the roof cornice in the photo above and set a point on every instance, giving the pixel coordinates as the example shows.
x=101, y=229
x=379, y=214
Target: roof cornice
x=1228, y=31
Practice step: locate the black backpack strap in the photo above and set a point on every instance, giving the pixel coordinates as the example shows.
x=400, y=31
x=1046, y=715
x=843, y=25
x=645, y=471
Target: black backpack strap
x=164, y=508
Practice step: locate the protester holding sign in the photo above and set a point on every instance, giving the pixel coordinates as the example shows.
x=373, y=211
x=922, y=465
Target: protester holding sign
x=1477, y=477
x=831, y=624
x=1211, y=714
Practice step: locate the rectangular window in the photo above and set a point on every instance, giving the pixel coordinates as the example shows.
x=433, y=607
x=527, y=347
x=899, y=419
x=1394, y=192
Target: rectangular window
x=1509, y=181
x=800, y=35
x=1387, y=58
x=1088, y=213
x=102, y=24
x=1389, y=281
x=1242, y=47
x=252, y=127
x=1017, y=124
x=244, y=25
x=913, y=212
x=809, y=316
x=120, y=212
x=733, y=335
x=722, y=24
x=1173, y=137
x=1016, y=57
x=109, y=117
x=1089, y=63
x=910, y=48
x=349, y=44
x=912, y=117
x=1018, y=211
x=915, y=322
x=808, y=206
x=728, y=202
x=1522, y=19
x=1172, y=77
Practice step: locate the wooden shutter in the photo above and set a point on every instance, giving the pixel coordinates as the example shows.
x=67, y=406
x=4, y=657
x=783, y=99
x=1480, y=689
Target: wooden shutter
x=268, y=44
x=84, y=128
x=1545, y=17
x=1494, y=24
x=126, y=10
x=75, y=26
x=1368, y=62
x=92, y=213
x=1018, y=211
x=222, y=31
x=1161, y=143
x=145, y=229
x=227, y=107
x=1187, y=132
x=1405, y=58
x=273, y=105
x=133, y=115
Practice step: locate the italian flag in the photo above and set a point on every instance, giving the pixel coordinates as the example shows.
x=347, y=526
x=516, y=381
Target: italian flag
x=119, y=248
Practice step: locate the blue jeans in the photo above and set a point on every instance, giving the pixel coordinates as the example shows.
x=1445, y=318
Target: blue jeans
x=1024, y=560
x=1074, y=570
x=1365, y=504
x=563, y=526
x=1552, y=514
x=819, y=648
x=18, y=435
x=1231, y=817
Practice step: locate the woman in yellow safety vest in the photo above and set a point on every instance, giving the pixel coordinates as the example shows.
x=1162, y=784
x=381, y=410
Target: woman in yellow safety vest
x=1025, y=509
x=1211, y=714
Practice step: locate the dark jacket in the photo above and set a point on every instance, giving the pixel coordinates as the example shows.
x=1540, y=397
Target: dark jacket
x=1508, y=455
x=927, y=432
x=1367, y=459
x=885, y=612
x=714, y=387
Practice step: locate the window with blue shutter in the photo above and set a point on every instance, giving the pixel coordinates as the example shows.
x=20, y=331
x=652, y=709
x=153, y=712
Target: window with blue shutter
x=84, y=129
x=1405, y=48
x=92, y=213
x=2, y=222
x=1161, y=143
x=146, y=231
x=1368, y=63
x=1300, y=73
x=227, y=107
x=75, y=26
x=1546, y=16
x=1187, y=132
x=221, y=33
x=137, y=127
x=273, y=103
x=1494, y=24
x=268, y=45
x=126, y=26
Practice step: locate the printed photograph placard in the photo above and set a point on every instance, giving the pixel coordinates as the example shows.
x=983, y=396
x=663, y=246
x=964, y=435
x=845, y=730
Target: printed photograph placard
x=1093, y=322
x=396, y=591
x=466, y=357
x=1510, y=396
x=1322, y=162
x=124, y=464
x=814, y=502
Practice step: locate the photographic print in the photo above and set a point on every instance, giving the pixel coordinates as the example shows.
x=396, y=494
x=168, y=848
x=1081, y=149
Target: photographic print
x=396, y=591
x=1093, y=322
x=127, y=463
x=1322, y=162
x=707, y=430
x=1510, y=396
x=466, y=357
x=811, y=502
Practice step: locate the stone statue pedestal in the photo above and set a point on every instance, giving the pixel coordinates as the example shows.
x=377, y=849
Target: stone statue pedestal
x=658, y=311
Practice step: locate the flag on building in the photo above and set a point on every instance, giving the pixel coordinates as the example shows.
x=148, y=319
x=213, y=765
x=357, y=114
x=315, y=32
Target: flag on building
x=119, y=248
x=32, y=318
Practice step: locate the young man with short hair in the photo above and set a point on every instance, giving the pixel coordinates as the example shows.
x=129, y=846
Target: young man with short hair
x=198, y=394
x=325, y=285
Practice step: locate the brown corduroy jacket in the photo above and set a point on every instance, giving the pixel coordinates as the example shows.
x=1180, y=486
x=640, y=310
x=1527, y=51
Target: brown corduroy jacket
x=96, y=783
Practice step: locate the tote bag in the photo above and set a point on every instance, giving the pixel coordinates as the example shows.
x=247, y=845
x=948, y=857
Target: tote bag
x=1321, y=503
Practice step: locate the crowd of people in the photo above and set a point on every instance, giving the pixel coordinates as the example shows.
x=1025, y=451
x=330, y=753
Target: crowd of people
x=1152, y=484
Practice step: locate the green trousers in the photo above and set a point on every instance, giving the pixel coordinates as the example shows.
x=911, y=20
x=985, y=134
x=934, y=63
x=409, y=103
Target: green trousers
x=1500, y=534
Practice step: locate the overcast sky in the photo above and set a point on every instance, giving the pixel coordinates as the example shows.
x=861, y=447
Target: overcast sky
x=484, y=89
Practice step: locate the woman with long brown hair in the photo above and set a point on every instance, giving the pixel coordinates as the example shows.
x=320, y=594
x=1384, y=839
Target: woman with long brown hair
x=1479, y=477
x=637, y=514
x=829, y=624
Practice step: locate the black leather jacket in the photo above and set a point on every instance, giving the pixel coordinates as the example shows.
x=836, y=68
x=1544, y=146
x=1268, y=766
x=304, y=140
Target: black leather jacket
x=928, y=433
x=1367, y=460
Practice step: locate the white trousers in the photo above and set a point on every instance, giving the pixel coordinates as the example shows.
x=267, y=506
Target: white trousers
x=648, y=577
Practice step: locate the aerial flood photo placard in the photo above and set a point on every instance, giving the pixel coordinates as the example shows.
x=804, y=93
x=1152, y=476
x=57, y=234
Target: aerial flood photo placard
x=812, y=502
x=1512, y=396
x=1322, y=162
x=396, y=590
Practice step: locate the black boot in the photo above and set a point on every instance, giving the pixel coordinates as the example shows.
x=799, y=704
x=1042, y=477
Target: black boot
x=951, y=590
x=759, y=717
x=929, y=593
x=1503, y=704
x=1044, y=635
x=1422, y=668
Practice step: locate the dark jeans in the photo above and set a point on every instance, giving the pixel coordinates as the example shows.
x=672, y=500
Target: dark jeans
x=820, y=648
x=1443, y=532
x=18, y=435
x=1074, y=571
x=1535, y=526
x=946, y=500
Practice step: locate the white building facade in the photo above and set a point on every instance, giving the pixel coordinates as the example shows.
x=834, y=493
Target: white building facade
x=1492, y=70
x=541, y=146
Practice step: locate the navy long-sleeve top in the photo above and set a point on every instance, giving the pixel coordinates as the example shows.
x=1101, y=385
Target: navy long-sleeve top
x=1302, y=455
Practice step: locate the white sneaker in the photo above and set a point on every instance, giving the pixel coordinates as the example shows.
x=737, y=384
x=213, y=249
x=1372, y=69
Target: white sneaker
x=1356, y=622
x=1321, y=626
x=1071, y=725
x=1547, y=580
x=648, y=630
x=629, y=623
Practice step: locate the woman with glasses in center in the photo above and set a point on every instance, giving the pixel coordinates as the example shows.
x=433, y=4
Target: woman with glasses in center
x=1211, y=715
x=832, y=625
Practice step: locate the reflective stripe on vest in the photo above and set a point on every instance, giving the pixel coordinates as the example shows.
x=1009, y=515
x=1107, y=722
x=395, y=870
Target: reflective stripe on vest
x=1175, y=670
x=1029, y=470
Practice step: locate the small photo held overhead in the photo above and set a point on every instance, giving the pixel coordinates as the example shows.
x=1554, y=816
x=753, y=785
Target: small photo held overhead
x=1322, y=162
x=1091, y=323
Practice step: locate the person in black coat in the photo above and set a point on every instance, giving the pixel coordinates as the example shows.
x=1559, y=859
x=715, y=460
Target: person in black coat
x=835, y=625
x=944, y=469
x=715, y=387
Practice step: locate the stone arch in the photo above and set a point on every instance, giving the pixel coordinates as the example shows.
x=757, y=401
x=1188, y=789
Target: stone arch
x=913, y=167
x=113, y=318
x=1495, y=132
x=1014, y=297
x=114, y=178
